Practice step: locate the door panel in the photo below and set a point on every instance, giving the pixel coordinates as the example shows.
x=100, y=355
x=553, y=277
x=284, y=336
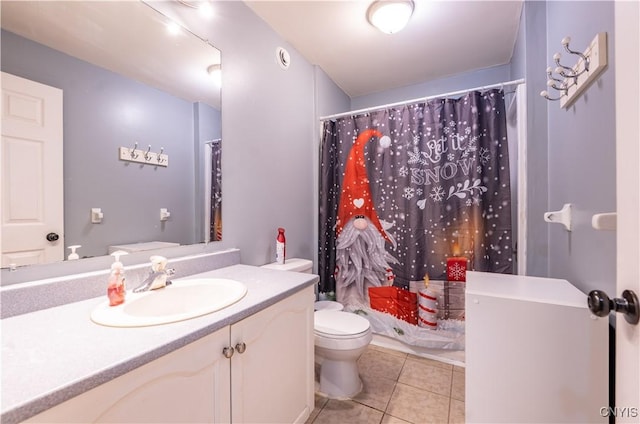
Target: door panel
x=32, y=178
x=627, y=69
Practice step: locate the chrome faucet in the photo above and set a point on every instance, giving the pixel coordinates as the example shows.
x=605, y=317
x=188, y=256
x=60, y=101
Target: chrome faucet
x=157, y=277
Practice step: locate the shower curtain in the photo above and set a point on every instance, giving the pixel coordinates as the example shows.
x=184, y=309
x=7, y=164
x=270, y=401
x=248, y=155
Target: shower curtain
x=432, y=179
x=215, y=226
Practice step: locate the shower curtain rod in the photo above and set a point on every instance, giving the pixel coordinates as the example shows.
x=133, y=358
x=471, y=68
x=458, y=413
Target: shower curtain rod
x=422, y=99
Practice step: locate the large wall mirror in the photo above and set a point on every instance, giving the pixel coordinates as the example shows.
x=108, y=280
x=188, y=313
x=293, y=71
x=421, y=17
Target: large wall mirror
x=126, y=82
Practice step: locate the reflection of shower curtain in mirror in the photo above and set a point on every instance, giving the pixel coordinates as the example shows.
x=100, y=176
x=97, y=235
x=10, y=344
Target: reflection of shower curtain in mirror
x=215, y=228
x=438, y=177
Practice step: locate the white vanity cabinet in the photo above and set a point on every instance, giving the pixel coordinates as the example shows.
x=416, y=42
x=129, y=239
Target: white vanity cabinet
x=266, y=377
x=190, y=384
x=272, y=381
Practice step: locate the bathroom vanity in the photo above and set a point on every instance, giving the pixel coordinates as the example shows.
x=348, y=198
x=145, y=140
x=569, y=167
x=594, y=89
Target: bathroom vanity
x=215, y=368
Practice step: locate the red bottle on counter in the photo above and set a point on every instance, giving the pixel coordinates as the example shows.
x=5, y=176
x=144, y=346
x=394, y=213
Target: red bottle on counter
x=280, y=247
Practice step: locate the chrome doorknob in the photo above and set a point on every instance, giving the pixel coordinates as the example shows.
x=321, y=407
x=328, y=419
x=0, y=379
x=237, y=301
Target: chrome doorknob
x=600, y=305
x=52, y=237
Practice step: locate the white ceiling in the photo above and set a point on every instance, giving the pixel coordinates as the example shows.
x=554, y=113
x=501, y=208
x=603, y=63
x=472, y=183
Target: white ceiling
x=141, y=48
x=443, y=38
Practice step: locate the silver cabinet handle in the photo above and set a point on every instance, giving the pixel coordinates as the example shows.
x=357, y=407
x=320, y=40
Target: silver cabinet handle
x=241, y=347
x=227, y=352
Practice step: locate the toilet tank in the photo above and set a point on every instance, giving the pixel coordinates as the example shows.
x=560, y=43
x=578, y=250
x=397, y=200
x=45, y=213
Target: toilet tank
x=292, y=264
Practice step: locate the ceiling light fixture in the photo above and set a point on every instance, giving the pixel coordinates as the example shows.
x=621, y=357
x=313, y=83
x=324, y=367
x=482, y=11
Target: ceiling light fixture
x=390, y=16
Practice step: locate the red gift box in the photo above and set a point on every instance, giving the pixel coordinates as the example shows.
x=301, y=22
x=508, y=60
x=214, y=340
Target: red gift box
x=457, y=268
x=395, y=301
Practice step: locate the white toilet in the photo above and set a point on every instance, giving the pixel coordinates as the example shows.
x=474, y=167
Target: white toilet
x=340, y=338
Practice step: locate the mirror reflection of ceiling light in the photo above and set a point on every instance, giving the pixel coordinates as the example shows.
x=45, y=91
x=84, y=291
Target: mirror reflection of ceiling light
x=390, y=16
x=173, y=28
x=203, y=6
x=215, y=71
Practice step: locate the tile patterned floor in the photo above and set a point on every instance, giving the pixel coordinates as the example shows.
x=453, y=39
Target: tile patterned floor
x=399, y=388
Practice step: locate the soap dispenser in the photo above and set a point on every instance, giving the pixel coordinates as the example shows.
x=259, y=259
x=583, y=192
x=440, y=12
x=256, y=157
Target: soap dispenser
x=116, y=289
x=73, y=255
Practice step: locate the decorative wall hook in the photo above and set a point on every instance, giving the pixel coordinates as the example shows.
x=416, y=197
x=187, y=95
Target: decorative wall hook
x=574, y=80
x=133, y=153
x=160, y=158
x=565, y=43
x=147, y=156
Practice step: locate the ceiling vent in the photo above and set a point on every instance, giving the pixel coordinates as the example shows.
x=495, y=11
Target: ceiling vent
x=283, y=58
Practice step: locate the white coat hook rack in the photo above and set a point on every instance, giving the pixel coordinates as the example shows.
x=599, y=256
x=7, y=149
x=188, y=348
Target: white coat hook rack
x=563, y=216
x=144, y=156
x=572, y=81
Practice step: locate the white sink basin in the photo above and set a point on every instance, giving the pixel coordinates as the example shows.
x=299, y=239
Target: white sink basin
x=184, y=299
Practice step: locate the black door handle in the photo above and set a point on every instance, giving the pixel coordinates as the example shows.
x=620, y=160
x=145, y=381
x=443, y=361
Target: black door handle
x=600, y=304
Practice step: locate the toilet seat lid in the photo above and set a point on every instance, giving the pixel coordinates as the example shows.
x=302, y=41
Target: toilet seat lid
x=339, y=323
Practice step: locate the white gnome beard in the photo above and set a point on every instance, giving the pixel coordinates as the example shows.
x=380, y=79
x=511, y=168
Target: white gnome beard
x=361, y=262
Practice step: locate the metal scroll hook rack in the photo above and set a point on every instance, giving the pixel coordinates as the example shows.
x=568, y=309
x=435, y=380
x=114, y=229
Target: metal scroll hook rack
x=146, y=157
x=571, y=81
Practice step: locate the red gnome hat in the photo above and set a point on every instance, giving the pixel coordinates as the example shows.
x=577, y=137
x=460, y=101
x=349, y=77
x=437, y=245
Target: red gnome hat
x=355, y=198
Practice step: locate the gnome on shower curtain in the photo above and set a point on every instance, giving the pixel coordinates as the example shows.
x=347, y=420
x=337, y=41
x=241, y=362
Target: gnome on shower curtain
x=361, y=258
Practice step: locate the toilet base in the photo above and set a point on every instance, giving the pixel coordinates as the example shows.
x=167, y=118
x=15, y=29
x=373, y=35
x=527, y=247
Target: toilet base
x=339, y=379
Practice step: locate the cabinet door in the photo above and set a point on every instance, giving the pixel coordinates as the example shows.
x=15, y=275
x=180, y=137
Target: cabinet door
x=190, y=384
x=272, y=380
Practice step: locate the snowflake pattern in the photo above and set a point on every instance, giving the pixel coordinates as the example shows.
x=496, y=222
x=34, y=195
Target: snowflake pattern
x=437, y=194
x=416, y=157
x=451, y=157
x=457, y=272
x=404, y=171
x=484, y=155
x=469, y=202
x=408, y=193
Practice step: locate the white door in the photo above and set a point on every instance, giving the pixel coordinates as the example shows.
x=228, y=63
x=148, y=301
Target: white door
x=627, y=57
x=31, y=176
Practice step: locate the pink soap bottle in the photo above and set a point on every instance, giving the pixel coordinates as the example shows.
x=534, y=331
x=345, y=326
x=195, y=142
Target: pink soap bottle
x=280, y=247
x=116, y=289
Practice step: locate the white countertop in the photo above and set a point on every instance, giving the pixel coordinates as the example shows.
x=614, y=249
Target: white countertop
x=52, y=355
x=521, y=287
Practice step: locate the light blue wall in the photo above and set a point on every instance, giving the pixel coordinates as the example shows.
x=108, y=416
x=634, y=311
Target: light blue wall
x=103, y=111
x=268, y=131
x=473, y=79
x=582, y=152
